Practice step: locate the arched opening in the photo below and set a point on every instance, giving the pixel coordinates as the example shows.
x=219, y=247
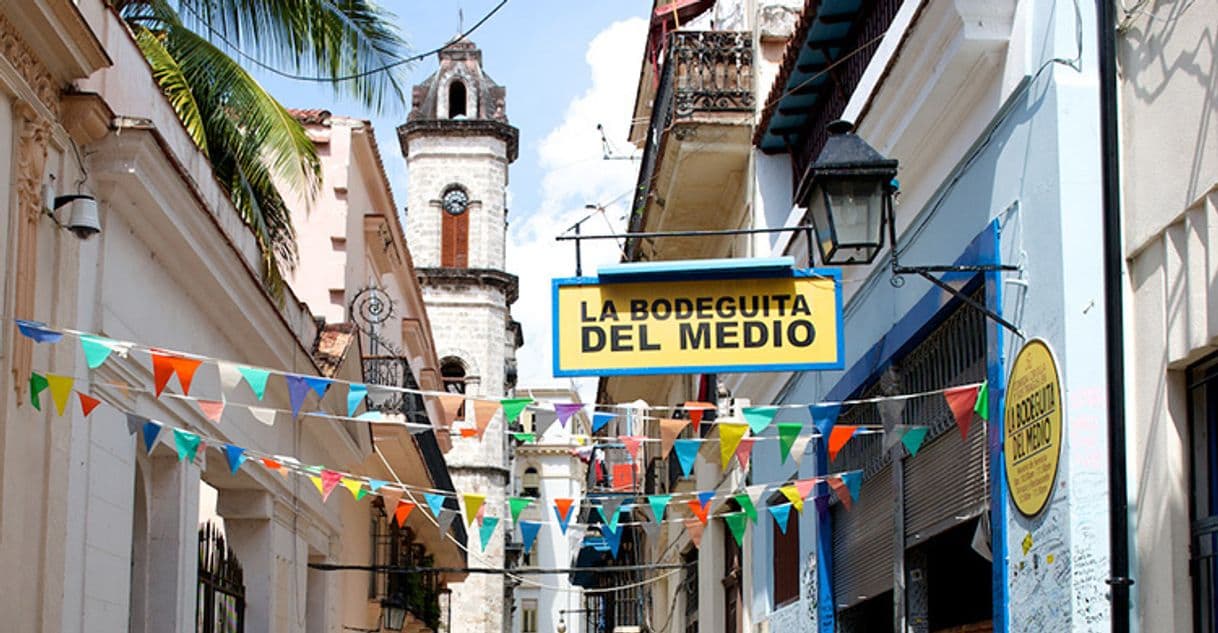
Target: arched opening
x=456, y=100
x=452, y=372
x=530, y=483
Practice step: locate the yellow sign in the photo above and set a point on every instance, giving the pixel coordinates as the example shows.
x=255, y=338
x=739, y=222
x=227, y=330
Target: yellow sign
x=787, y=323
x=1032, y=422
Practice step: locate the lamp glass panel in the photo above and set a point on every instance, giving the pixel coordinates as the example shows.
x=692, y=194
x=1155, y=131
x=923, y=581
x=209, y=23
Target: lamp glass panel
x=818, y=211
x=856, y=208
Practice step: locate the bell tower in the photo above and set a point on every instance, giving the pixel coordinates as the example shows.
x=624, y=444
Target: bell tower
x=458, y=145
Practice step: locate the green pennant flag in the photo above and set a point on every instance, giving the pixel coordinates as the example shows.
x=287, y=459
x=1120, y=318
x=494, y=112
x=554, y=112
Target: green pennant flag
x=736, y=522
x=746, y=504
x=512, y=408
x=186, y=443
x=658, y=503
x=517, y=505
x=982, y=408
x=527, y=438
x=38, y=384
x=788, y=432
x=96, y=350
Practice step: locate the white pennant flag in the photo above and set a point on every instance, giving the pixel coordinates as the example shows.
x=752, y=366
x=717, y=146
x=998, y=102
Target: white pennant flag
x=263, y=415
x=230, y=377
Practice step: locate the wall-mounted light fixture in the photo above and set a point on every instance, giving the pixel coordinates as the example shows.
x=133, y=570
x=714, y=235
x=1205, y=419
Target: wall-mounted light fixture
x=82, y=221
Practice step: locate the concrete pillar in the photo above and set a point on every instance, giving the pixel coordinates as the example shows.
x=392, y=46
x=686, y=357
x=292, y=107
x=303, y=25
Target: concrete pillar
x=247, y=524
x=173, y=542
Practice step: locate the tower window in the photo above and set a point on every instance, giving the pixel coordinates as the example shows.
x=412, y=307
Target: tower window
x=452, y=372
x=454, y=229
x=456, y=100
x=530, y=483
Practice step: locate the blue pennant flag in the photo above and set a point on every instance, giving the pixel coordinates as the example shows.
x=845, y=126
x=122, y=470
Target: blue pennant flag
x=298, y=389
x=528, y=534
x=435, y=502
x=151, y=431
x=235, y=456
x=38, y=331
x=376, y=484
x=355, y=395
x=705, y=496
x=824, y=416
x=318, y=384
x=613, y=538
x=782, y=515
x=687, y=453
x=599, y=420
x=853, y=481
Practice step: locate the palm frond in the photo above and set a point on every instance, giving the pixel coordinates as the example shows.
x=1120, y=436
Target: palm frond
x=173, y=82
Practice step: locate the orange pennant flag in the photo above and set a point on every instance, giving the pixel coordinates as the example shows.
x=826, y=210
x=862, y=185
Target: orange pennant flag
x=164, y=366
x=838, y=437
x=403, y=512
x=669, y=430
x=484, y=412
x=699, y=509
x=87, y=403
x=695, y=410
x=694, y=527
x=467, y=431
x=450, y=406
x=564, y=507
x=962, y=401
x=278, y=467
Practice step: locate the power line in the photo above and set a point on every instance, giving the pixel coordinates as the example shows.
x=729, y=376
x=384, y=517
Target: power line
x=603, y=569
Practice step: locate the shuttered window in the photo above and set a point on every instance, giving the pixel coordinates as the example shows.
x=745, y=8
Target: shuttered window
x=454, y=249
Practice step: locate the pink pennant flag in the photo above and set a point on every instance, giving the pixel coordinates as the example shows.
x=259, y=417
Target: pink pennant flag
x=962, y=400
x=329, y=480
x=694, y=527
x=450, y=406
x=744, y=451
x=633, y=443
x=212, y=409
x=804, y=486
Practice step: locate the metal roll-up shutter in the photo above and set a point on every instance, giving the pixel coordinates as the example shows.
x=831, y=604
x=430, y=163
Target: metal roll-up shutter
x=863, y=542
x=947, y=482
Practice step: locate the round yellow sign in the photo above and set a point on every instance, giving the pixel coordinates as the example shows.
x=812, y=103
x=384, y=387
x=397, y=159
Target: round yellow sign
x=1032, y=421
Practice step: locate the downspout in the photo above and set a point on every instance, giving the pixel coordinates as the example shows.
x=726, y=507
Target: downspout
x=1118, y=499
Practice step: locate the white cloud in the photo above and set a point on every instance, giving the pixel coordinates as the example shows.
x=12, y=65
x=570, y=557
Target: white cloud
x=576, y=175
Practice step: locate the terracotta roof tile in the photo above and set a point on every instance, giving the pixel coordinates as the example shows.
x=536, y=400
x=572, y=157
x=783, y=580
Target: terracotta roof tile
x=311, y=116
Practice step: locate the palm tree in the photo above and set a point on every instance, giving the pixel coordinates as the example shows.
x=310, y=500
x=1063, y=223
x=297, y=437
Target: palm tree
x=249, y=137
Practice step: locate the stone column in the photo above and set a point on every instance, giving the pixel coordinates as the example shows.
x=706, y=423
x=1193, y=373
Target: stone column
x=173, y=542
x=247, y=524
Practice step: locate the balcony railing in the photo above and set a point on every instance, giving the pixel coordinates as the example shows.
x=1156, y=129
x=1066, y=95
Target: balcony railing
x=394, y=371
x=702, y=72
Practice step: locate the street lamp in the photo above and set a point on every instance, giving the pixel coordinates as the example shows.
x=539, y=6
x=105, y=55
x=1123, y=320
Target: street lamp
x=562, y=625
x=848, y=194
x=393, y=612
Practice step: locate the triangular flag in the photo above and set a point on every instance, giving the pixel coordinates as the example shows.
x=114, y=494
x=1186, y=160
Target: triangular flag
x=512, y=408
x=473, y=502
x=633, y=444
x=354, y=486
x=913, y=439
x=755, y=493
x=705, y=497
x=528, y=534
x=487, y=530
x=230, y=377
x=484, y=412
x=575, y=535
x=298, y=390
x=799, y=448
x=746, y=505
x=792, y=493
x=842, y=491
x=730, y=434
x=517, y=505
x=838, y=438
x=402, y=511
x=893, y=436
x=318, y=483
x=450, y=406
x=854, y=482
x=698, y=509
x=600, y=419
x=736, y=522
x=613, y=538
x=235, y=455
x=782, y=515
x=151, y=431
x=759, y=417
x=669, y=430
x=658, y=503
x=186, y=443
x=524, y=438
x=274, y=465
x=263, y=415
x=356, y=393
x=824, y=416
x=787, y=432
x=542, y=421
x=96, y=350
x=961, y=400
x=87, y=403
x=609, y=509
x=468, y=432
x=61, y=391
x=687, y=453
x=255, y=378
x=329, y=481
x=39, y=332
x=982, y=408
x=744, y=451
x=694, y=528
x=318, y=384
x=376, y=484
x=38, y=383
x=444, y=522
x=562, y=508
x=651, y=529
x=695, y=410
x=435, y=502
x=805, y=486
x=564, y=411
x=212, y=409
x=391, y=498
x=165, y=366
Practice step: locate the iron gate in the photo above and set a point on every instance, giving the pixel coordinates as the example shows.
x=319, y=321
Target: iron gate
x=221, y=591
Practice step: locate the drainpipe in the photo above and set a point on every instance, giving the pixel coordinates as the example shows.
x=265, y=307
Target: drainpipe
x=1118, y=501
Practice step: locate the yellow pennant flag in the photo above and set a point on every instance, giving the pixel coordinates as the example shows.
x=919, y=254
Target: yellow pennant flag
x=730, y=434
x=353, y=485
x=472, y=503
x=317, y=482
x=61, y=390
x=792, y=493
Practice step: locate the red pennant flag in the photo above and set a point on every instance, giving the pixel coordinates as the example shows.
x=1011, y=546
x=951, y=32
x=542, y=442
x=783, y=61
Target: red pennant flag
x=843, y=492
x=87, y=403
x=838, y=437
x=212, y=409
x=329, y=480
x=403, y=512
x=162, y=371
x=698, y=509
x=695, y=409
x=962, y=400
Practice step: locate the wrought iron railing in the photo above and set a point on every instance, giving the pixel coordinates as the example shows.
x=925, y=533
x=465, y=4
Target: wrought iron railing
x=701, y=72
x=220, y=606
x=394, y=371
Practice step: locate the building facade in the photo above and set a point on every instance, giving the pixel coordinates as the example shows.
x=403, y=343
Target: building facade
x=458, y=146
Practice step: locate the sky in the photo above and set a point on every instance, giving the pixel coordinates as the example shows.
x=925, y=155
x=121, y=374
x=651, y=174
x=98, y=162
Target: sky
x=567, y=67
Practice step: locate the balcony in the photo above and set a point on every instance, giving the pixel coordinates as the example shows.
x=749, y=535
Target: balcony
x=698, y=100
x=394, y=371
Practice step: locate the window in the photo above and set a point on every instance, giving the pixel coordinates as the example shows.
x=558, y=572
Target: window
x=1203, y=421
x=452, y=372
x=530, y=483
x=528, y=616
x=456, y=99
x=786, y=560
x=454, y=229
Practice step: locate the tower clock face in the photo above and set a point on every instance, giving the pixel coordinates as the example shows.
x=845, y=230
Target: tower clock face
x=455, y=201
